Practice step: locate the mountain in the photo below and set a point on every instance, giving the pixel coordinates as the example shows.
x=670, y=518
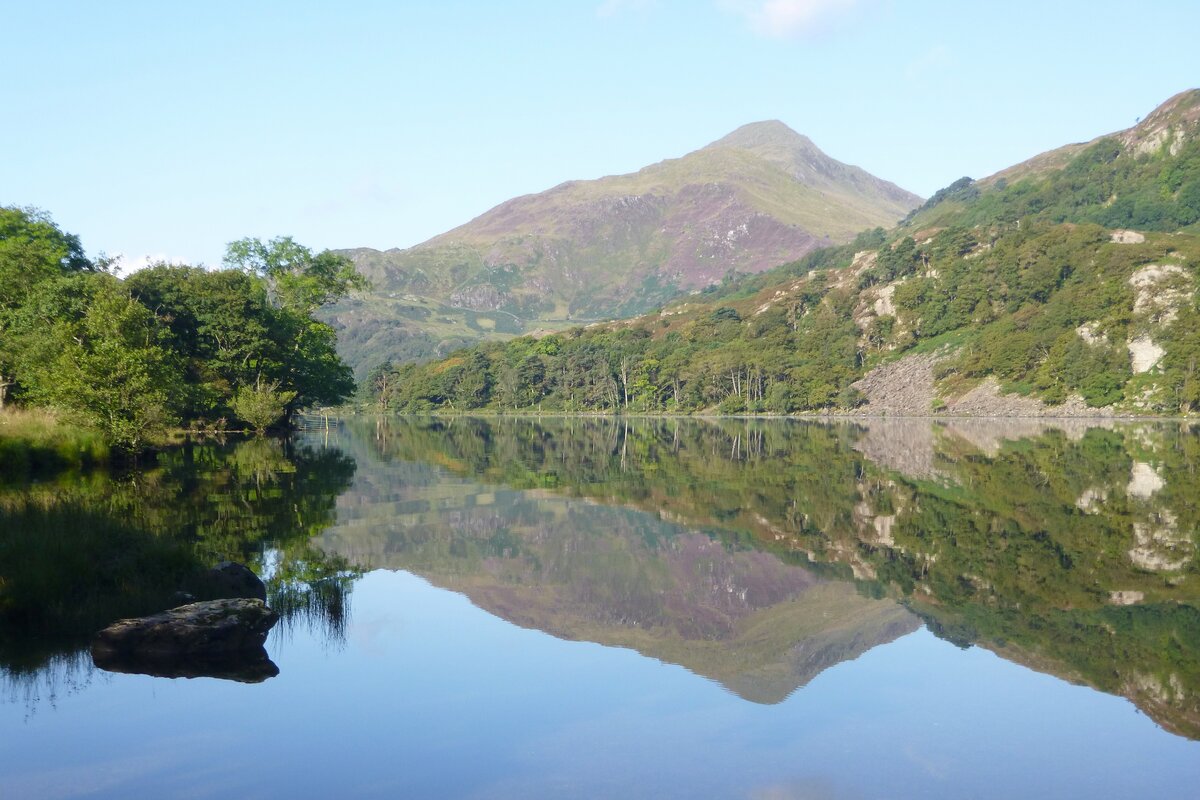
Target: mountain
x=1065, y=285
x=1144, y=177
x=613, y=247
x=1166, y=125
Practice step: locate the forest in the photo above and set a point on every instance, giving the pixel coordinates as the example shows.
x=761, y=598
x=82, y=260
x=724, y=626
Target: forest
x=169, y=347
x=1006, y=302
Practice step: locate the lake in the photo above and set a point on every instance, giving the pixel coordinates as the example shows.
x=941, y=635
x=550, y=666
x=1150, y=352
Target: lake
x=523, y=608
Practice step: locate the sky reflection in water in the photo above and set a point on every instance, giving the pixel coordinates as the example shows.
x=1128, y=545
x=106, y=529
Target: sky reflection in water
x=430, y=696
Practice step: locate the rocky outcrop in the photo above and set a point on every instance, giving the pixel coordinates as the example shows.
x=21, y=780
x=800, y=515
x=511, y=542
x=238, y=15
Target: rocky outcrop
x=988, y=400
x=1127, y=237
x=906, y=387
x=207, y=628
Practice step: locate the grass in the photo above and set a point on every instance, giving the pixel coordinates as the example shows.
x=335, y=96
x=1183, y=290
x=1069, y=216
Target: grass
x=37, y=440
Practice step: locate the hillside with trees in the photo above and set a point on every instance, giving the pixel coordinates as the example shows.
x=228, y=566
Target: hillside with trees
x=617, y=246
x=1070, y=279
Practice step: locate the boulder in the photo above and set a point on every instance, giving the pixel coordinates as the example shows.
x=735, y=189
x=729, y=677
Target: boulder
x=228, y=579
x=208, y=628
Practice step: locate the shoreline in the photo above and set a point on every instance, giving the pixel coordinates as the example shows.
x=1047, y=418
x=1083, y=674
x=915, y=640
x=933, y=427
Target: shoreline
x=843, y=415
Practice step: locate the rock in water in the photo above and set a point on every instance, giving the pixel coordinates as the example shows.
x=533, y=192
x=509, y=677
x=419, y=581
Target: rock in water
x=229, y=579
x=205, y=628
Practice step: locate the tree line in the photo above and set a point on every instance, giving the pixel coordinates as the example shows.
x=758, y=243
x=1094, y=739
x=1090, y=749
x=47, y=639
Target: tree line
x=171, y=345
x=1000, y=280
x=1005, y=302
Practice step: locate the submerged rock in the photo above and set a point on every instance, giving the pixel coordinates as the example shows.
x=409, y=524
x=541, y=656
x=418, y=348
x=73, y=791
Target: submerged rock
x=206, y=628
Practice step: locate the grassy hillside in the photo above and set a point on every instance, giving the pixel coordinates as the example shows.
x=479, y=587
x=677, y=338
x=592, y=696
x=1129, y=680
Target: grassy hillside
x=617, y=246
x=1037, y=286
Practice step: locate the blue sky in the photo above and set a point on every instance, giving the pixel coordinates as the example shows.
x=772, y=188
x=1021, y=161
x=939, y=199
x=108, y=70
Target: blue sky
x=168, y=129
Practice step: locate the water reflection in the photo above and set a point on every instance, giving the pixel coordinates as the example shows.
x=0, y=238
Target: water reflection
x=755, y=553
x=81, y=551
x=254, y=666
x=1059, y=545
x=613, y=575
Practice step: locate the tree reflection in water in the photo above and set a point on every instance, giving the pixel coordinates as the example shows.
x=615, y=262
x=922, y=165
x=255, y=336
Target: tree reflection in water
x=1062, y=545
x=82, y=550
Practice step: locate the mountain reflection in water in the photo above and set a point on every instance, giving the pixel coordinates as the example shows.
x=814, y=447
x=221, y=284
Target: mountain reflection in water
x=756, y=553
x=759, y=553
x=584, y=571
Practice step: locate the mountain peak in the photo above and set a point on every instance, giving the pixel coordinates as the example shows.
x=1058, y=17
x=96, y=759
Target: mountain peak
x=767, y=130
x=794, y=153
x=766, y=138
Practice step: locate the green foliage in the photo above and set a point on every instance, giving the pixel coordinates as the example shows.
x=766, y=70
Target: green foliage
x=300, y=279
x=230, y=334
x=84, y=346
x=32, y=249
x=1103, y=184
x=718, y=360
x=261, y=405
x=171, y=344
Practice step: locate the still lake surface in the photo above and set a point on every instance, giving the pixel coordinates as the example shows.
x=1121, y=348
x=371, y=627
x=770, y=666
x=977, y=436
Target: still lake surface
x=522, y=608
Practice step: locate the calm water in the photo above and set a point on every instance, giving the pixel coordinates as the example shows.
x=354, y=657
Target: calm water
x=600, y=608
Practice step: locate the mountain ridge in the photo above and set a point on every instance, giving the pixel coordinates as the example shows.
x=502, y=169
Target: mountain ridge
x=1068, y=289
x=614, y=246
x=1182, y=107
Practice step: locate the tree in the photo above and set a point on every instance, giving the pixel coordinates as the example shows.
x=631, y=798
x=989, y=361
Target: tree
x=261, y=405
x=297, y=278
x=32, y=249
x=221, y=324
x=224, y=324
x=86, y=347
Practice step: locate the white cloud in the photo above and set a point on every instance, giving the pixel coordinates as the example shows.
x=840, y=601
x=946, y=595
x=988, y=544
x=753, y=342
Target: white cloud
x=123, y=266
x=788, y=19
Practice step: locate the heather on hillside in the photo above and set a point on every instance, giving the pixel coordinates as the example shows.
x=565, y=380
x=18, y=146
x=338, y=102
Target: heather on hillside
x=1034, y=283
